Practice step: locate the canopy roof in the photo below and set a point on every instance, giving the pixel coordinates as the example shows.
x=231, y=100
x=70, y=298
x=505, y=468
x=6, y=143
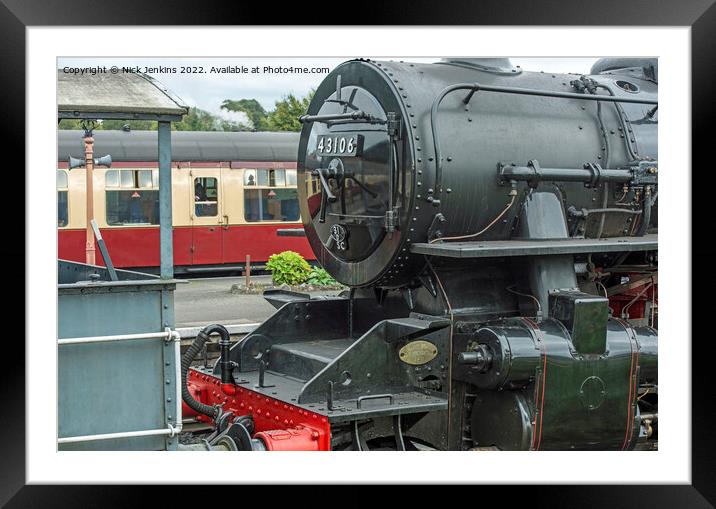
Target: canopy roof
x=124, y=95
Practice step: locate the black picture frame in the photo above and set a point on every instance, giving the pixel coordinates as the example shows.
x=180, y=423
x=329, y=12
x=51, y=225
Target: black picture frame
x=700, y=15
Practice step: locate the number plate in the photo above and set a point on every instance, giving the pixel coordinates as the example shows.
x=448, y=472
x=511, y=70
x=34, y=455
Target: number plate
x=346, y=144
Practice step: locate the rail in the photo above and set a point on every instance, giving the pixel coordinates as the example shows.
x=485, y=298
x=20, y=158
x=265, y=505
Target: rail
x=169, y=430
x=168, y=336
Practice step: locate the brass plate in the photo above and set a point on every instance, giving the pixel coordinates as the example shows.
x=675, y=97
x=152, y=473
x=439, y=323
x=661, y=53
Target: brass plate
x=418, y=352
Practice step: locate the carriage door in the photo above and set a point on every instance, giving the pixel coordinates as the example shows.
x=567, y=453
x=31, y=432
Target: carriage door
x=206, y=216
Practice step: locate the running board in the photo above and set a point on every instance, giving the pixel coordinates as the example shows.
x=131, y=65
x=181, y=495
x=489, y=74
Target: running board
x=517, y=247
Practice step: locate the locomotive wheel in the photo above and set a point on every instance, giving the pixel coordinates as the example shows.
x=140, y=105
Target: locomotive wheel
x=397, y=442
x=387, y=444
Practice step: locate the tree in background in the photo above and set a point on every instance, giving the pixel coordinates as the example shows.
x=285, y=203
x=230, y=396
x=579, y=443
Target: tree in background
x=252, y=108
x=284, y=116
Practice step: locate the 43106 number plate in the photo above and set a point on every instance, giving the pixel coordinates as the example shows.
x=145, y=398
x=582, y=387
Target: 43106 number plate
x=345, y=144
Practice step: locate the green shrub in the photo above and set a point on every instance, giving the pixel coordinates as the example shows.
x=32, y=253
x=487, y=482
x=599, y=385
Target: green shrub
x=288, y=268
x=319, y=276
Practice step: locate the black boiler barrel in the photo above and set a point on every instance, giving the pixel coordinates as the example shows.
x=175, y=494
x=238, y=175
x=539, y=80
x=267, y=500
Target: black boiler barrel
x=492, y=128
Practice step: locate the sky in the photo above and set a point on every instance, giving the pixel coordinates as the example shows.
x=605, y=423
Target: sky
x=207, y=91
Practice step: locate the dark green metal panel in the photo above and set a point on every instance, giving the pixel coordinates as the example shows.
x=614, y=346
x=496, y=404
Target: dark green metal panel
x=587, y=398
x=585, y=316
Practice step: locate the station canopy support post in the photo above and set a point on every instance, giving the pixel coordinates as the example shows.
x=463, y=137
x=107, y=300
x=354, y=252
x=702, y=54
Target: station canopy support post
x=165, y=201
x=89, y=190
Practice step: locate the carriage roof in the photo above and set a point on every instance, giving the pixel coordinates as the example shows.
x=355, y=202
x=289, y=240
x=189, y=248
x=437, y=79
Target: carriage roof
x=186, y=145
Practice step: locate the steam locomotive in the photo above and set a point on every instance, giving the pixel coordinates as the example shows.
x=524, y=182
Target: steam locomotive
x=498, y=232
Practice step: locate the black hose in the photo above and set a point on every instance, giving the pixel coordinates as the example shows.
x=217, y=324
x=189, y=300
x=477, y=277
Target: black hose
x=646, y=216
x=201, y=338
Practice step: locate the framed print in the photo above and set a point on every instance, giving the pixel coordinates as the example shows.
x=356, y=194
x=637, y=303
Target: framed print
x=439, y=241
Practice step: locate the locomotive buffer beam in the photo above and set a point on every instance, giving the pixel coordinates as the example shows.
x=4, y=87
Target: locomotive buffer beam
x=505, y=248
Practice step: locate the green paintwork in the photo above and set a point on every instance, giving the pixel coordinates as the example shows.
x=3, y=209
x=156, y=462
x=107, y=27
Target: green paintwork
x=577, y=400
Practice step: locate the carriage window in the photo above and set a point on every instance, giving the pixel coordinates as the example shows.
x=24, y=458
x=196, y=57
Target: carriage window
x=62, y=215
x=291, y=179
x=145, y=179
x=271, y=205
x=250, y=177
x=131, y=197
x=277, y=178
x=127, y=178
x=111, y=178
x=262, y=177
x=206, y=197
x=61, y=179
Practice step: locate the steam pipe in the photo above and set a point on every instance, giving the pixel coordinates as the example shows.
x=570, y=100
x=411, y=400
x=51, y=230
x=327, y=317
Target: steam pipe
x=527, y=173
